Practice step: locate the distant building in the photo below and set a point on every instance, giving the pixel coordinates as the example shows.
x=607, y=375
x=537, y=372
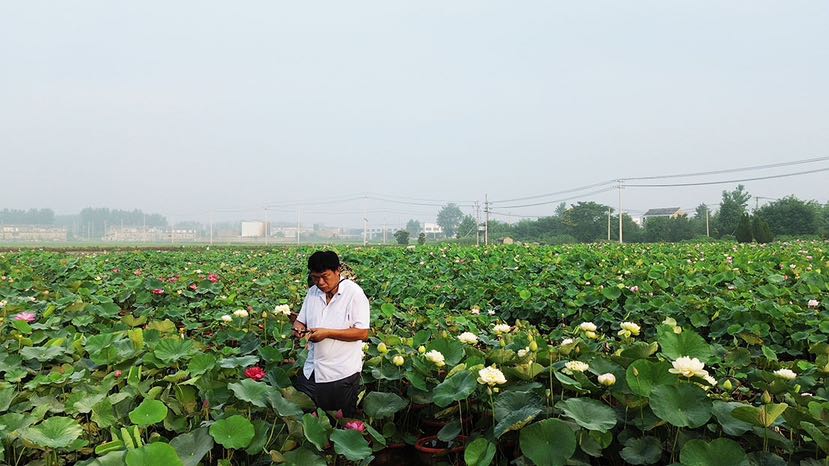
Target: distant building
x=253, y=229
x=32, y=233
x=667, y=212
x=432, y=230
x=136, y=235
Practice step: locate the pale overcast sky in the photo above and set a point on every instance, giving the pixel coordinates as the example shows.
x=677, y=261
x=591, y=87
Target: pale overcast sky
x=183, y=107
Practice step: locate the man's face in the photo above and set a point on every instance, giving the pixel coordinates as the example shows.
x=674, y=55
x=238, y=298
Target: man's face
x=326, y=281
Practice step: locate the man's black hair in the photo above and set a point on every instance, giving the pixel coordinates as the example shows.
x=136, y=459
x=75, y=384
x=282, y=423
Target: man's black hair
x=321, y=261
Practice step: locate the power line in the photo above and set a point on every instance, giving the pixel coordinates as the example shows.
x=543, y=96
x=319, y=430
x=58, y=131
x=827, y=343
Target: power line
x=706, y=183
x=558, y=200
x=731, y=170
x=566, y=191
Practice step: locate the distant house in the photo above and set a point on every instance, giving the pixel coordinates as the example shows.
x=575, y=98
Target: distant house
x=666, y=212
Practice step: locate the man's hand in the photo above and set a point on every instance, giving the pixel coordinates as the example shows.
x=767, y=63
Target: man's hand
x=299, y=329
x=318, y=334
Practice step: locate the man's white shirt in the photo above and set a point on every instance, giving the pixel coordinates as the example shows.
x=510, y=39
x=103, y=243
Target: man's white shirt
x=331, y=360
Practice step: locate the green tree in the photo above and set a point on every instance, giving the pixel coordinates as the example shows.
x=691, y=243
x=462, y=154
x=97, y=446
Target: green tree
x=587, y=221
x=702, y=214
x=402, y=236
x=421, y=238
x=413, y=227
x=732, y=208
x=743, y=231
x=657, y=230
x=760, y=230
x=467, y=227
x=791, y=216
x=448, y=218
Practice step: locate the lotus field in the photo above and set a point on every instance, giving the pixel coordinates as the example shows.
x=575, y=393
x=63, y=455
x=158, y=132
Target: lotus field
x=692, y=354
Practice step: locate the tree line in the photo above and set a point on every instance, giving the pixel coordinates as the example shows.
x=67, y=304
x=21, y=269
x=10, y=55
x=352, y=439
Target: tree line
x=585, y=222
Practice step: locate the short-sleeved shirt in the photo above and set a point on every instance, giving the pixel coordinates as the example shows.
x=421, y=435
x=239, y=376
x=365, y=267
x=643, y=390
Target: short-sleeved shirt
x=331, y=360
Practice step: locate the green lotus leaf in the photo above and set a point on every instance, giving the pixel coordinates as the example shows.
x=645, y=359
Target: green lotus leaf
x=762, y=416
x=171, y=350
x=282, y=406
x=192, y=446
x=643, y=375
x=589, y=413
x=719, y=452
x=256, y=393
x=379, y=405
x=643, y=450
x=351, y=444
x=452, y=350
x=480, y=452
x=455, y=388
x=55, y=432
x=684, y=405
x=303, y=457
x=688, y=343
x=148, y=412
x=550, y=442
x=730, y=425
x=233, y=432
x=514, y=410
x=316, y=430
x=153, y=454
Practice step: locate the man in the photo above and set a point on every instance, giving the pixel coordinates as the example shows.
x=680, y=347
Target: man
x=335, y=319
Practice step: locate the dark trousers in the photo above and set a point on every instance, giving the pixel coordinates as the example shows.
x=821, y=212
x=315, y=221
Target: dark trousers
x=331, y=396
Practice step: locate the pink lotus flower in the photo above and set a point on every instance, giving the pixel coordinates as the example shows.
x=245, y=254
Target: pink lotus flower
x=213, y=278
x=634, y=289
x=359, y=426
x=338, y=414
x=194, y=287
x=138, y=273
x=172, y=279
x=116, y=270
x=813, y=303
x=118, y=374
x=255, y=373
x=158, y=291
x=26, y=317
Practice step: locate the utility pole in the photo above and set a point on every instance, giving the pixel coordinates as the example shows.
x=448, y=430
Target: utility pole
x=266, y=226
x=620, y=212
x=707, y=231
x=172, y=231
x=477, y=224
x=384, y=232
x=608, y=224
x=365, y=231
x=486, y=225
x=210, y=219
x=297, y=226
x=756, y=204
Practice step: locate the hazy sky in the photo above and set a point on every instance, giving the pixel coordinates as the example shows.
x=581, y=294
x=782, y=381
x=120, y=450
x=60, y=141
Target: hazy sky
x=183, y=107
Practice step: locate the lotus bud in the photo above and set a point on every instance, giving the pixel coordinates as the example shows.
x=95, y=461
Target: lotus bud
x=421, y=349
x=635, y=372
x=797, y=388
x=533, y=346
x=591, y=335
x=766, y=397
x=727, y=385
x=398, y=360
x=382, y=348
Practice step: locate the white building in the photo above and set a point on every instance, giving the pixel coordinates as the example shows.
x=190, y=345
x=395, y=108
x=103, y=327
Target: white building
x=432, y=230
x=255, y=229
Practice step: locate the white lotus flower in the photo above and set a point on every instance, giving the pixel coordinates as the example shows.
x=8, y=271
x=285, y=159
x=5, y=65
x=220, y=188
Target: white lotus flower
x=240, y=313
x=475, y=311
x=491, y=312
x=468, y=338
x=588, y=327
x=710, y=380
x=436, y=357
x=227, y=318
x=398, y=360
x=576, y=366
x=491, y=376
x=630, y=327
x=688, y=367
x=283, y=309
x=523, y=352
x=813, y=303
x=501, y=328
x=786, y=374
x=567, y=341
x=3, y=303
x=607, y=379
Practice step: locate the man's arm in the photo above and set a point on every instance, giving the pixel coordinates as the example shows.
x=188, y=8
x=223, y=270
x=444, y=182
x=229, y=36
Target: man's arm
x=347, y=334
x=299, y=328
